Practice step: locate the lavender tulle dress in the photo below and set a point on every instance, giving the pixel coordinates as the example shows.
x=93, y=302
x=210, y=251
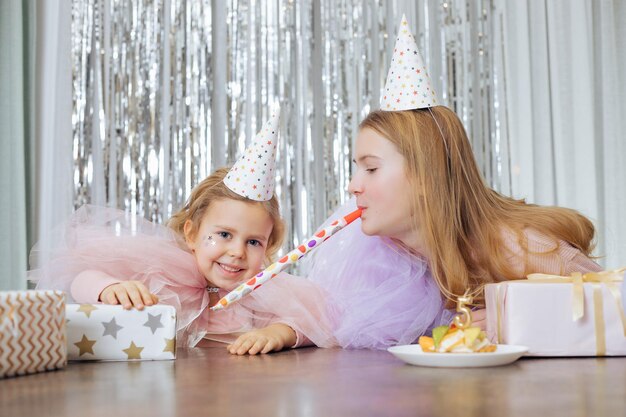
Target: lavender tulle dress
x=379, y=295
x=359, y=291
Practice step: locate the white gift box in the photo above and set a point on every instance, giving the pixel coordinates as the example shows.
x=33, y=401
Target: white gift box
x=559, y=316
x=108, y=332
x=32, y=332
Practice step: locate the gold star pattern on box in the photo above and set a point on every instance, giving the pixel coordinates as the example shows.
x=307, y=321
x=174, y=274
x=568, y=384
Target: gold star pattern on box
x=170, y=345
x=85, y=346
x=108, y=332
x=133, y=352
x=87, y=309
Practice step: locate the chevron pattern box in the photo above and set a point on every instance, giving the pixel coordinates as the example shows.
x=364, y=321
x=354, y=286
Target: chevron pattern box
x=32, y=332
x=108, y=332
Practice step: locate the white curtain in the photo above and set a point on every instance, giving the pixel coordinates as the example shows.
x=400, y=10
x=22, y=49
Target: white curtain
x=565, y=80
x=16, y=45
x=564, y=86
x=53, y=128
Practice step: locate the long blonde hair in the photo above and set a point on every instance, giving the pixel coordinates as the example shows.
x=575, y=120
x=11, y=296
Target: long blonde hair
x=460, y=218
x=213, y=189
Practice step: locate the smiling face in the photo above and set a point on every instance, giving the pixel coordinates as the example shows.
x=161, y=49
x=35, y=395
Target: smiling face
x=381, y=186
x=231, y=241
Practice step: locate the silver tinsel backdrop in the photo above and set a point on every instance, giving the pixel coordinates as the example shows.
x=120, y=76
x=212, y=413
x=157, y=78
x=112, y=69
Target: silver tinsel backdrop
x=165, y=91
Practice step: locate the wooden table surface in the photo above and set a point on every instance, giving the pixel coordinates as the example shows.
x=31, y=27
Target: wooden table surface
x=318, y=382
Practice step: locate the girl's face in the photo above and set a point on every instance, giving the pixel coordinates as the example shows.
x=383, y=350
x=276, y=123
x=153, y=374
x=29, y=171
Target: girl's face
x=230, y=244
x=381, y=187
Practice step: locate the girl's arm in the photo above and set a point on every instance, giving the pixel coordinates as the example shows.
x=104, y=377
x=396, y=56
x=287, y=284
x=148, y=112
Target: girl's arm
x=93, y=286
x=88, y=285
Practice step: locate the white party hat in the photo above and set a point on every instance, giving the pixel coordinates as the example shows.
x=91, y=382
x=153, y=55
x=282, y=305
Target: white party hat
x=408, y=85
x=253, y=175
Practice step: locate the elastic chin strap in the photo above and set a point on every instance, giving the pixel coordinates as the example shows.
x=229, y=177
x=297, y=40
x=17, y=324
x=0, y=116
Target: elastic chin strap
x=445, y=142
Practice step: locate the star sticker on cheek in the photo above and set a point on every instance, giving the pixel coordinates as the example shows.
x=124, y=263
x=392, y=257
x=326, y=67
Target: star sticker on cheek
x=209, y=241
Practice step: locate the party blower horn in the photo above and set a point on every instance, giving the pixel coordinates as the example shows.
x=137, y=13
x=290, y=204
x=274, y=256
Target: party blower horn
x=289, y=259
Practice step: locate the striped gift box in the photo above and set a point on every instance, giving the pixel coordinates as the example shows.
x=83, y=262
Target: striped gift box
x=32, y=332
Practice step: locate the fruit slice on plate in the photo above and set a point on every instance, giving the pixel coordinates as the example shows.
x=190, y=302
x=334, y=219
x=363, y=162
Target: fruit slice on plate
x=454, y=340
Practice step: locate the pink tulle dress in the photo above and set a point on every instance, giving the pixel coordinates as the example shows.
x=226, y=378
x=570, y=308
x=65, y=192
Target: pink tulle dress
x=359, y=291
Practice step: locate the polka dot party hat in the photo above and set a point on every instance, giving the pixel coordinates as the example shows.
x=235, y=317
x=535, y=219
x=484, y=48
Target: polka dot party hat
x=253, y=175
x=408, y=85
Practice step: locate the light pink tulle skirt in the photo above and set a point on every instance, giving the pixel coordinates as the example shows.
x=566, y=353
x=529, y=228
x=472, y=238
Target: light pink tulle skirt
x=360, y=291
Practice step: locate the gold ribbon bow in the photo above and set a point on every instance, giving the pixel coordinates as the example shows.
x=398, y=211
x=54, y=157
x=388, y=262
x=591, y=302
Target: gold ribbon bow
x=610, y=279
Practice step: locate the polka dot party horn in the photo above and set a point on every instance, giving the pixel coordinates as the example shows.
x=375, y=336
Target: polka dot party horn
x=291, y=258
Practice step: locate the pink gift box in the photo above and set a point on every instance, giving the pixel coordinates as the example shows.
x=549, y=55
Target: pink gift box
x=540, y=316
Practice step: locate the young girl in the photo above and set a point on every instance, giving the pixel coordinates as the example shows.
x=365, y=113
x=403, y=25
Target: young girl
x=418, y=184
x=228, y=230
x=226, y=240
x=430, y=228
x=428, y=195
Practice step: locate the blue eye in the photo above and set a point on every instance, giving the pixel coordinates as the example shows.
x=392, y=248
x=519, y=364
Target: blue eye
x=224, y=235
x=254, y=242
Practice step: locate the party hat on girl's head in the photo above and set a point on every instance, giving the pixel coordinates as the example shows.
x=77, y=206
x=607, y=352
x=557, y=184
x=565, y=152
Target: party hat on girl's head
x=408, y=85
x=253, y=174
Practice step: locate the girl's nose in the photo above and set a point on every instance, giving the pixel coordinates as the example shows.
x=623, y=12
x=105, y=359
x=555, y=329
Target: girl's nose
x=355, y=186
x=236, y=249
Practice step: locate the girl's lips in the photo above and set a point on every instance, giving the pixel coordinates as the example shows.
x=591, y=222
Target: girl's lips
x=229, y=269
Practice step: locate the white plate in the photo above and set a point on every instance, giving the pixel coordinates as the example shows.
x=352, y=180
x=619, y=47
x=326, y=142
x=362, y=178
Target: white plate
x=414, y=355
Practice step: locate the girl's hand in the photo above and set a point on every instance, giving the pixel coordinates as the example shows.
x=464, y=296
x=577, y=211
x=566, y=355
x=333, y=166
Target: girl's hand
x=271, y=338
x=129, y=294
x=479, y=318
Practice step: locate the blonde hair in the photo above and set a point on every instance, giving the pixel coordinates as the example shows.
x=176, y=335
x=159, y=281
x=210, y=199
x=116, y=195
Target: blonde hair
x=213, y=189
x=460, y=218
